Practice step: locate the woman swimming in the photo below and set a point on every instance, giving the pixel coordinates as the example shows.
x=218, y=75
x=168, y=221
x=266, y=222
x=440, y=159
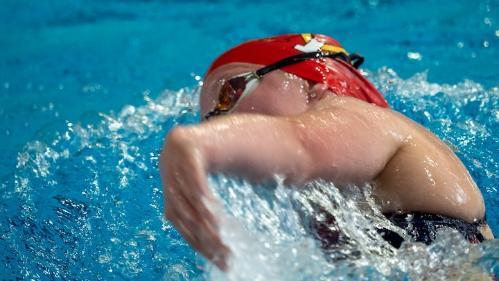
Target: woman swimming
x=299, y=108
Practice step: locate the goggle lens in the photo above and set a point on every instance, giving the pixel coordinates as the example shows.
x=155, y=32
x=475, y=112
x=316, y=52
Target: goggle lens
x=230, y=93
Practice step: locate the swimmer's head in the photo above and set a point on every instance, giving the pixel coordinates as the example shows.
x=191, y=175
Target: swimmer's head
x=283, y=86
x=290, y=71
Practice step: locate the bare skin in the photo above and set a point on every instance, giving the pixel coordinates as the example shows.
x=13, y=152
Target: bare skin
x=305, y=133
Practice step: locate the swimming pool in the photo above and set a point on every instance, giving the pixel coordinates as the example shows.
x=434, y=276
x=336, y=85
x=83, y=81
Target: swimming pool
x=89, y=89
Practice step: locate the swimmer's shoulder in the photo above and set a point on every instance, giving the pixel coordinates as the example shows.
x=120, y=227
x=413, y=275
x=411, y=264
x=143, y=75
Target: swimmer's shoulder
x=379, y=118
x=424, y=173
x=386, y=118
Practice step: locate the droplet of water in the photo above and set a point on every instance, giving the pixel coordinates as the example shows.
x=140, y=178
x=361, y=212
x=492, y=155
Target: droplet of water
x=104, y=259
x=414, y=56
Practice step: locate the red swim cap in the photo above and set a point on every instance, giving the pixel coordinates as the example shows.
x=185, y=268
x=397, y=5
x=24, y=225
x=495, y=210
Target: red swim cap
x=340, y=77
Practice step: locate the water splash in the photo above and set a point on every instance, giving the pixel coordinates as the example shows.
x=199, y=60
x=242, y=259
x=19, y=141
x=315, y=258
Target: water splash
x=85, y=201
x=269, y=238
x=88, y=201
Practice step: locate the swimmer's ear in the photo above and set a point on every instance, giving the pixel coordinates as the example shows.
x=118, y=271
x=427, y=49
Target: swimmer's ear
x=318, y=91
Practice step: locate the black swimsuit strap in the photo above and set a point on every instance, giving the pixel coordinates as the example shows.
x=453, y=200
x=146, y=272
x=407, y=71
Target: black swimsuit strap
x=423, y=226
x=395, y=216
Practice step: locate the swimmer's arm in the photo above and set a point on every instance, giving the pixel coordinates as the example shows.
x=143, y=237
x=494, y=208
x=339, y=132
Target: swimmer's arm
x=313, y=145
x=253, y=146
x=333, y=144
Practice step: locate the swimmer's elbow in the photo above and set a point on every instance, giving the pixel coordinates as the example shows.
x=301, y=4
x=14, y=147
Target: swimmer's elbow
x=175, y=135
x=180, y=134
x=179, y=138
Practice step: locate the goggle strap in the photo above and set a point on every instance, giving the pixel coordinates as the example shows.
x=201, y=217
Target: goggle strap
x=306, y=56
x=356, y=60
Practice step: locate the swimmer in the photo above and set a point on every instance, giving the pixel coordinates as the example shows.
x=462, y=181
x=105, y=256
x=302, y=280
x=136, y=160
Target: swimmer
x=295, y=105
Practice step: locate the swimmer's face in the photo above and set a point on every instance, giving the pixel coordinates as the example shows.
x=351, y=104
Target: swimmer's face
x=278, y=93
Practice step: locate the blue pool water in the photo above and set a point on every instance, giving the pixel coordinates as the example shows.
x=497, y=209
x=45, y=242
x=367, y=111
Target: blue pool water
x=88, y=90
